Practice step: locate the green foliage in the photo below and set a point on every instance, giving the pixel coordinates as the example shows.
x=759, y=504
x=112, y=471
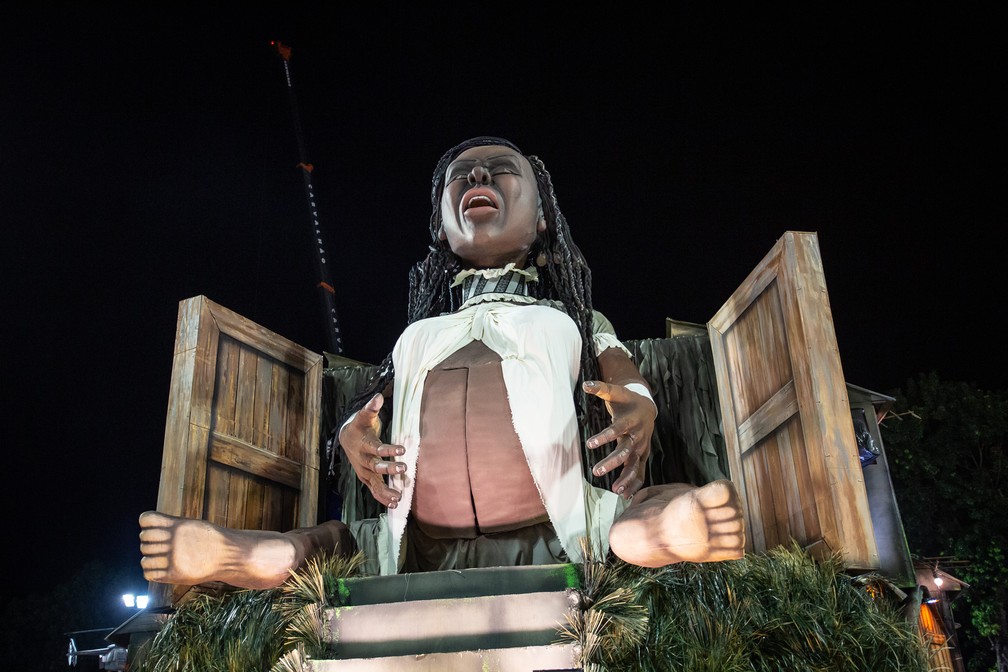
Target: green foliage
x=945, y=443
x=208, y=633
x=780, y=610
x=764, y=613
x=250, y=630
x=941, y=437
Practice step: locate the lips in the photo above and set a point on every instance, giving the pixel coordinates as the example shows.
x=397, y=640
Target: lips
x=480, y=197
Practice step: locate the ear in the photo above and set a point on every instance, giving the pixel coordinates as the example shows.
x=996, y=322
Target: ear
x=542, y=224
x=441, y=234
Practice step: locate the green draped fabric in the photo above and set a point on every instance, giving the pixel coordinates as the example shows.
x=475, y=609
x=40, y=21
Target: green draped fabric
x=687, y=445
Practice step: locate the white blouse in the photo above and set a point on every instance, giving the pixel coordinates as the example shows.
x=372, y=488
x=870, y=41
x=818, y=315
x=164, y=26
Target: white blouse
x=540, y=349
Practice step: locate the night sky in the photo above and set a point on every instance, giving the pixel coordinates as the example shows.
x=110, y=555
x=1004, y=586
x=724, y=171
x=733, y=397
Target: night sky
x=149, y=157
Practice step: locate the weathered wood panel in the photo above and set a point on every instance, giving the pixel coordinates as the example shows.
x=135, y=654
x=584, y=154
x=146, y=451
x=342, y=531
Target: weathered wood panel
x=241, y=442
x=787, y=423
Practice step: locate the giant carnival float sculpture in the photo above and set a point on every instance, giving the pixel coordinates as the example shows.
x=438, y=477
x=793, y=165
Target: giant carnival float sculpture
x=752, y=410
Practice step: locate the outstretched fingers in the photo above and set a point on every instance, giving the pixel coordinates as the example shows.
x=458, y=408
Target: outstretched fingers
x=371, y=459
x=631, y=476
x=632, y=425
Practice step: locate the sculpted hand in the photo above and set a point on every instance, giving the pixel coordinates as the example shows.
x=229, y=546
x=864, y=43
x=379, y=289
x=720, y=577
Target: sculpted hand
x=370, y=458
x=633, y=417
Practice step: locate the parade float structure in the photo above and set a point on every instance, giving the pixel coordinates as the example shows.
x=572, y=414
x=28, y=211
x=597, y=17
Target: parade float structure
x=756, y=395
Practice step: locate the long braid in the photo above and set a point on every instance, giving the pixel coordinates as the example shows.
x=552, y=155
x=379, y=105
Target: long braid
x=565, y=278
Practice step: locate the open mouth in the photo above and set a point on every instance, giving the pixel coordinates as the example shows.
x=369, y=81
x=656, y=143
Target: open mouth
x=479, y=198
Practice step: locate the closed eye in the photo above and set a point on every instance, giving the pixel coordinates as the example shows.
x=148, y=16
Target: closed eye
x=503, y=166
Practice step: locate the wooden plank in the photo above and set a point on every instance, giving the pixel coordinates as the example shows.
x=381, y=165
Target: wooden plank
x=200, y=414
x=235, y=496
x=227, y=385
x=261, y=401
x=173, y=466
x=247, y=365
x=188, y=404
x=755, y=537
x=789, y=483
x=810, y=441
x=238, y=454
x=775, y=412
x=821, y=382
x=273, y=508
x=171, y=489
x=767, y=511
x=776, y=476
x=738, y=469
x=218, y=488
x=187, y=325
x=205, y=369
x=292, y=508
x=309, y=457
x=295, y=427
x=754, y=285
x=264, y=340
x=277, y=421
x=253, y=505
x=194, y=477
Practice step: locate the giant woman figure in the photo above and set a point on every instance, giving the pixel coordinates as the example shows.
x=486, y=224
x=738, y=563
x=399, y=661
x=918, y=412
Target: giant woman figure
x=504, y=380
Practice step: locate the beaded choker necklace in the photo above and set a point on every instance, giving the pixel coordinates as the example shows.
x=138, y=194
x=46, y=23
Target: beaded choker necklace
x=496, y=284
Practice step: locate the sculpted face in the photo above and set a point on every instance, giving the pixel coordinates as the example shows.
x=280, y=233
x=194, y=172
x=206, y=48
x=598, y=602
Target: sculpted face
x=490, y=207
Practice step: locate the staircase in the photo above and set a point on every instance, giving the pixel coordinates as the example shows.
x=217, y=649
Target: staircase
x=500, y=619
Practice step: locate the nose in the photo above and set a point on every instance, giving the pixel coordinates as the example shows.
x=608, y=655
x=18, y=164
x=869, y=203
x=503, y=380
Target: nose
x=479, y=175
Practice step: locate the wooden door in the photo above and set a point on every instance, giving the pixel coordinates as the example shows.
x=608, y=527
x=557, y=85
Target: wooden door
x=786, y=418
x=241, y=445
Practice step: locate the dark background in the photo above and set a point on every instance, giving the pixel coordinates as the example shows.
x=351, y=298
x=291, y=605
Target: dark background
x=150, y=156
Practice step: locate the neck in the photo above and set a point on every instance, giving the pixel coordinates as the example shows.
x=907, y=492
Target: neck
x=502, y=282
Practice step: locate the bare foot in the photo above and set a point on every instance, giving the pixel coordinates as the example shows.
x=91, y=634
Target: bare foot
x=680, y=523
x=189, y=552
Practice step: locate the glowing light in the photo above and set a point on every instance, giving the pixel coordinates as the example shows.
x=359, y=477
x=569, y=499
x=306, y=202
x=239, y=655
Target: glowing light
x=137, y=601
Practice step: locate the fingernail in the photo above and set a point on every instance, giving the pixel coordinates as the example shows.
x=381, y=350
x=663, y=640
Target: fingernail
x=400, y=468
x=600, y=471
x=591, y=383
x=621, y=489
x=400, y=451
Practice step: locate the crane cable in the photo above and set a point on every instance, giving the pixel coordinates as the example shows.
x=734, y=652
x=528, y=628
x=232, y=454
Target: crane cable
x=327, y=293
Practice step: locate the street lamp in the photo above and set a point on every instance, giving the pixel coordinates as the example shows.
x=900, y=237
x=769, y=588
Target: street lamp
x=137, y=601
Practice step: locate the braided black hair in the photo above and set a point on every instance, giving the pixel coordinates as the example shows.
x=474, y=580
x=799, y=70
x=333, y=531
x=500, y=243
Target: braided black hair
x=565, y=278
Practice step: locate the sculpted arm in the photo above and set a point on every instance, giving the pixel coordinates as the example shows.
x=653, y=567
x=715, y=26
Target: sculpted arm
x=372, y=460
x=632, y=413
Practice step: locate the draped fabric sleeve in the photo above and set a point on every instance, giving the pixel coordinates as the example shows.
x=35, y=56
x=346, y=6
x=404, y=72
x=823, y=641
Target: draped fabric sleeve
x=604, y=335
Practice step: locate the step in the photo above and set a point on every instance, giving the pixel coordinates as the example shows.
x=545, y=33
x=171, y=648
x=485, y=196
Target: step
x=490, y=615
x=447, y=625
x=550, y=658
x=477, y=582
